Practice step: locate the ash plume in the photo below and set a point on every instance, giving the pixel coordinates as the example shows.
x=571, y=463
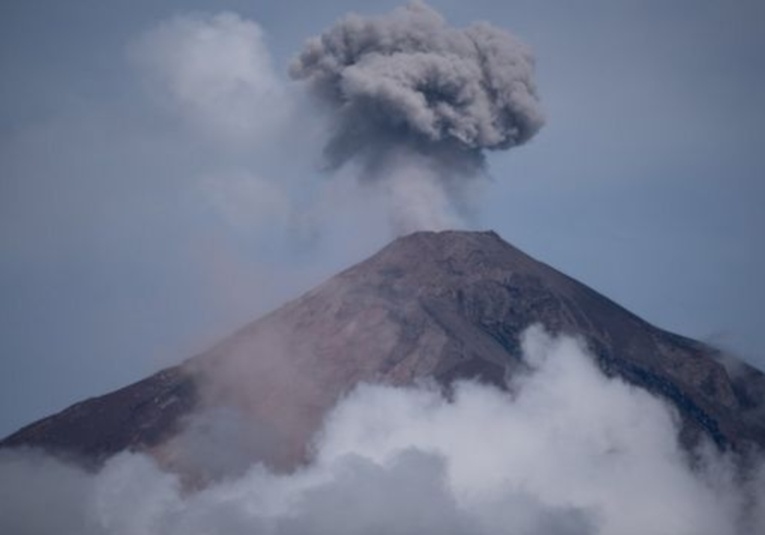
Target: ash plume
x=406, y=85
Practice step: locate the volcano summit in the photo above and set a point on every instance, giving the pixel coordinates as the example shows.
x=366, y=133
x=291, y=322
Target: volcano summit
x=434, y=307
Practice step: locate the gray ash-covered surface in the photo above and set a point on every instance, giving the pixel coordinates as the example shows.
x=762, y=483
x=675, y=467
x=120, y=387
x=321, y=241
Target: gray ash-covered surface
x=135, y=417
x=442, y=306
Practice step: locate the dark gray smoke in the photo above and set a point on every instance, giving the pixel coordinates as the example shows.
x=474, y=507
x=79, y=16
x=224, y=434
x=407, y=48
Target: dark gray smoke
x=406, y=82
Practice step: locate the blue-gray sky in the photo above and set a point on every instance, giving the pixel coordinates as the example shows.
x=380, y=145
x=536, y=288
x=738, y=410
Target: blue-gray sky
x=140, y=221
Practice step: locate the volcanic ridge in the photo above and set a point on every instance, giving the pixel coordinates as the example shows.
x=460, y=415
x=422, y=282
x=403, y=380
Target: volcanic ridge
x=430, y=306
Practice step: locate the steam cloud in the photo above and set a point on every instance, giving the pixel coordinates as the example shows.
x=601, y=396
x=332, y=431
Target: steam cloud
x=407, y=90
x=215, y=72
x=566, y=452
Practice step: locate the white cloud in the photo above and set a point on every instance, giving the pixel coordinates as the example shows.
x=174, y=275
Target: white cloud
x=567, y=451
x=216, y=71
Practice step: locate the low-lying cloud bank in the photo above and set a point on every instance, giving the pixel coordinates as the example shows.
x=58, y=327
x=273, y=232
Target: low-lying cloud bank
x=564, y=451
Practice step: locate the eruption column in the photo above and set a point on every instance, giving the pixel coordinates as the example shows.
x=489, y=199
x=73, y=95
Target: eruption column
x=413, y=100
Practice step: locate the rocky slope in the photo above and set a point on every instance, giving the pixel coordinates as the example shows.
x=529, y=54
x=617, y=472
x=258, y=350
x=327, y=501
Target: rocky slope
x=429, y=306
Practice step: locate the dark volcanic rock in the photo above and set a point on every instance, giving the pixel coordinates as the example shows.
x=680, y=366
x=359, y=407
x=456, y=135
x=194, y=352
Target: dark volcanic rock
x=136, y=417
x=440, y=306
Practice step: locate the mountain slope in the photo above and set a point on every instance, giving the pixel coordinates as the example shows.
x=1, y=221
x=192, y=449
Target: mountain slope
x=438, y=306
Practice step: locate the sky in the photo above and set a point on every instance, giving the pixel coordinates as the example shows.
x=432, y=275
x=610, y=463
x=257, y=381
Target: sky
x=160, y=180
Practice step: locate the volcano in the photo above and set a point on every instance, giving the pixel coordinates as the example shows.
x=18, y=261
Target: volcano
x=435, y=307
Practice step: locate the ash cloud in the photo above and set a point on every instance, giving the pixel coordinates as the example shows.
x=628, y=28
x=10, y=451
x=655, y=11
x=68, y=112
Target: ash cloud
x=567, y=452
x=407, y=87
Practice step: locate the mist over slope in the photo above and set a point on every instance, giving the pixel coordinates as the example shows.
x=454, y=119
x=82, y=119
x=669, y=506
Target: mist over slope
x=565, y=450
